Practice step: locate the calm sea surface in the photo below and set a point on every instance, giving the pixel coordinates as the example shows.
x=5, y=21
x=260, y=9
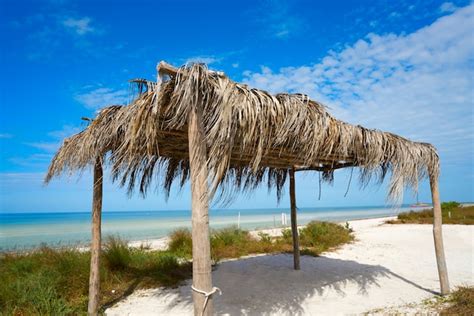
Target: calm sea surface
x=26, y=230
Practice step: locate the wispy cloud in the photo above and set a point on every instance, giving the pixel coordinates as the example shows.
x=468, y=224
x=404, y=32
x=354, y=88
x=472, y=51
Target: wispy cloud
x=5, y=135
x=418, y=84
x=66, y=131
x=48, y=32
x=100, y=97
x=204, y=59
x=45, y=148
x=215, y=59
x=49, y=147
x=79, y=26
x=55, y=139
x=448, y=7
x=10, y=179
x=278, y=20
x=35, y=161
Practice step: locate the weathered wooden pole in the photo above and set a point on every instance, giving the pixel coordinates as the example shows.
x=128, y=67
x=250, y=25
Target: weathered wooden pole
x=438, y=236
x=294, y=225
x=94, y=277
x=202, y=277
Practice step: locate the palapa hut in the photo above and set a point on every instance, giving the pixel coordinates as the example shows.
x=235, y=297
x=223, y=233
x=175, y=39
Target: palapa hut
x=226, y=137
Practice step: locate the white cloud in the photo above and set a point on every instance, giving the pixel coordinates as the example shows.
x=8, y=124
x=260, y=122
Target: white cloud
x=46, y=148
x=49, y=147
x=101, y=97
x=80, y=26
x=5, y=135
x=35, y=161
x=46, y=33
x=66, y=131
x=208, y=60
x=282, y=31
x=448, y=7
x=419, y=85
x=8, y=179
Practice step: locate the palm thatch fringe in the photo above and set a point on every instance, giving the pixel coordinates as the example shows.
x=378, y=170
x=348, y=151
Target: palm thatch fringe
x=251, y=137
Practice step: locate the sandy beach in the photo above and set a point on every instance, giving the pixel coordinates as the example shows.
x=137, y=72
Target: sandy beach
x=387, y=266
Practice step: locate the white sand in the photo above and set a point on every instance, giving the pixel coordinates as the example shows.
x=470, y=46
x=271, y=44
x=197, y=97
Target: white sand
x=388, y=265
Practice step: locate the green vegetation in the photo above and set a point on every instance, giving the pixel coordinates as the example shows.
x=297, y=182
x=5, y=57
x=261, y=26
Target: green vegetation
x=318, y=237
x=232, y=242
x=117, y=254
x=461, y=302
x=225, y=243
x=55, y=281
x=181, y=243
x=453, y=213
x=449, y=206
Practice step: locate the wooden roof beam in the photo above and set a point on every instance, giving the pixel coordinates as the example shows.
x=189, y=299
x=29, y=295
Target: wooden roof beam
x=166, y=69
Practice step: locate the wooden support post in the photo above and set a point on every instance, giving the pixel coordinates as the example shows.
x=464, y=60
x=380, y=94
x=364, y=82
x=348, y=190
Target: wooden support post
x=202, y=277
x=94, y=277
x=438, y=237
x=294, y=225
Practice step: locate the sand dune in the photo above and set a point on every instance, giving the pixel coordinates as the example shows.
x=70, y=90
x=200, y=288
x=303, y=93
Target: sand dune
x=388, y=265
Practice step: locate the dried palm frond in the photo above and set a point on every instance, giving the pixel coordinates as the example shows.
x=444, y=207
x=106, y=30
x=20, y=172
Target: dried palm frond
x=251, y=136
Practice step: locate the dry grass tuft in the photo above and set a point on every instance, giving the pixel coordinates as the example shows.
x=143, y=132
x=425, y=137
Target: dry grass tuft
x=461, y=302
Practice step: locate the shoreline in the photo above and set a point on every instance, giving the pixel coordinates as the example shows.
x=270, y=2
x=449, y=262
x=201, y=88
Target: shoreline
x=64, y=233
x=159, y=242
x=162, y=243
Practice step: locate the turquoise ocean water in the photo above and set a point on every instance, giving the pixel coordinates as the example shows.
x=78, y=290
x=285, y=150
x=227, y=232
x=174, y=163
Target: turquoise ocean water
x=25, y=230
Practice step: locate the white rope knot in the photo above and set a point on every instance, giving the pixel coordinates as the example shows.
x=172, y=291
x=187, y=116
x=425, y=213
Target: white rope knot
x=206, y=295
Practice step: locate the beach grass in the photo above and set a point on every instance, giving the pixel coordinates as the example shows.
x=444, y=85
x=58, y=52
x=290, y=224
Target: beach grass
x=461, y=302
x=315, y=238
x=54, y=281
x=453, y=213
x=181, y=243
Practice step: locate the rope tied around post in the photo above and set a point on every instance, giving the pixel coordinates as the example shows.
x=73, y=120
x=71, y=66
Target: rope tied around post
x=206, y=295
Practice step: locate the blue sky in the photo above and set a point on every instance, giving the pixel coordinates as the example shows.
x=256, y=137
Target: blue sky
x=402, y=66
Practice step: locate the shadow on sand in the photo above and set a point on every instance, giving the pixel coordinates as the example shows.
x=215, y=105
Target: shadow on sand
x=268, y=284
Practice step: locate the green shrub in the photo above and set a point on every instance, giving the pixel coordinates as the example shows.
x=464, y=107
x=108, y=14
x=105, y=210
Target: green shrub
x=265, y=238
x=167, y=262
x=461, y=302
x=164, y=268
x=452, y=213
x=449, y=206
x=181, y=243
x=318, y=237
x=42, y=283
x=116, y=253
x=286, y=234
x=38, y=293
x=230, y=236
x=231, y=243
x=55, y=281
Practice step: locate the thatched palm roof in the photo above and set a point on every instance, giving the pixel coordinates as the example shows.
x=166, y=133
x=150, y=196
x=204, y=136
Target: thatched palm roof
x=252, y=136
